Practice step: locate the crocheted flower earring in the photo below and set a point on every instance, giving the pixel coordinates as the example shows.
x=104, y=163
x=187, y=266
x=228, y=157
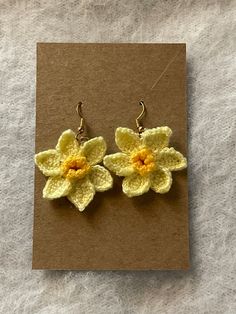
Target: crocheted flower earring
x=145, y=159
x=72, y=167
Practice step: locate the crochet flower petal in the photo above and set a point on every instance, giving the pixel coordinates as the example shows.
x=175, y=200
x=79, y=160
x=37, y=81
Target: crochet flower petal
x=100, y=178
x=171, y=159
x=56, y=187
x=135, y=185
x=119, y=163
x=94, y=150
x=48, y=162
x=67, y=144
x=161, y=181
x=156, y=138
x=82, y=193
x=127, y=140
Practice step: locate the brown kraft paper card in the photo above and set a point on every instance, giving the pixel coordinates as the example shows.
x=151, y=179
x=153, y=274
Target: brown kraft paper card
x=114, y=232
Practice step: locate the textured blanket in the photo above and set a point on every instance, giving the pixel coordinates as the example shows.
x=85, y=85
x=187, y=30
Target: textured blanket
x=208, y=28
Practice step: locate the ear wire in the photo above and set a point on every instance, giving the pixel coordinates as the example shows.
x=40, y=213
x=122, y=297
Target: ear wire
x=81, y=127
x=141, y=115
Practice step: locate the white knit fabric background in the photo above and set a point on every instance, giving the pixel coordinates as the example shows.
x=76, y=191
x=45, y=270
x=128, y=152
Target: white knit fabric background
x=208, y=28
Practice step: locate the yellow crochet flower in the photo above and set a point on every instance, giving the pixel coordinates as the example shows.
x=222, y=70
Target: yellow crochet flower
x=145, y=161
x=73, y=171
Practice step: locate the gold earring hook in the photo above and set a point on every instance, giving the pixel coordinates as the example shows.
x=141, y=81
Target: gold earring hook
x=81, y=126
x=79, y=111
x=141, y=115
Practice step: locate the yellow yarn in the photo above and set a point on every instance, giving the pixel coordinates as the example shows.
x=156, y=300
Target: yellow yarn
x=143, y=161
x=75, y=167
x=72, y=169
x=146, y=161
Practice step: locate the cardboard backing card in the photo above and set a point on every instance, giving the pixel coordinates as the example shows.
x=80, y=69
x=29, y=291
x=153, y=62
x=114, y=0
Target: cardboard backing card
x=114, y=232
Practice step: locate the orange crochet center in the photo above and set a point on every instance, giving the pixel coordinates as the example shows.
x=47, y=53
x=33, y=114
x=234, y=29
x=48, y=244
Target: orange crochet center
x=75, y=167
x=143, y=161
